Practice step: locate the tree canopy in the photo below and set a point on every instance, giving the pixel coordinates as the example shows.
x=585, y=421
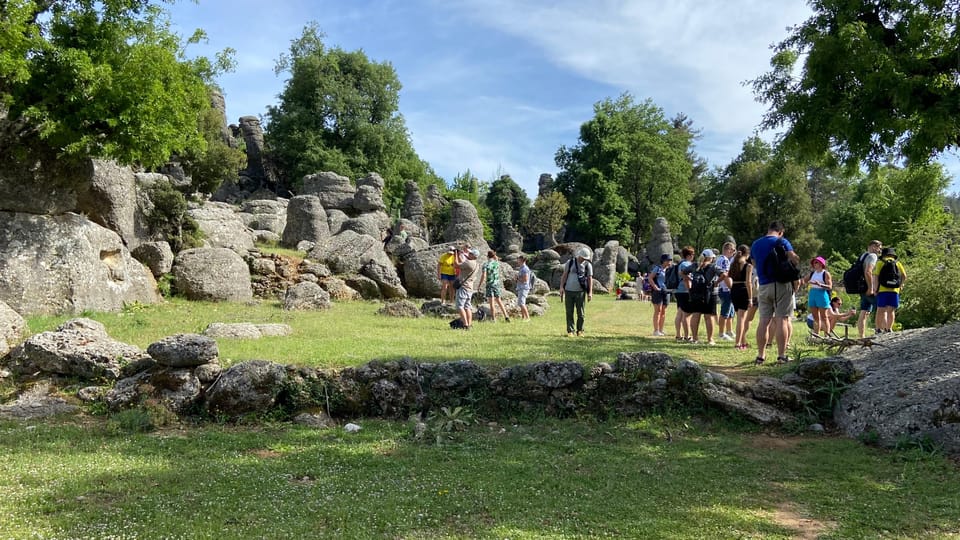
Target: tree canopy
x=100, y=79
x=629, y=167
x=339, y=112
x=877, y=78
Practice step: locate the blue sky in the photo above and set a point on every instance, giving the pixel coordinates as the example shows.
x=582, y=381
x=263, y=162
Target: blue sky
x=497, y=86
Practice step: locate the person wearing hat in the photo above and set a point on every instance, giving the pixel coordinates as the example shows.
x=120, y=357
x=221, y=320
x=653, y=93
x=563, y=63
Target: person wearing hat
x=659, y=296
x=888, y=283
x=467, y=263
x=703, y=306
x=819, y=283
x=576, y=287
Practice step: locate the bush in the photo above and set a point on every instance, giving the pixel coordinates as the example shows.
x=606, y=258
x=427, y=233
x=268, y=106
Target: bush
x=930, y=296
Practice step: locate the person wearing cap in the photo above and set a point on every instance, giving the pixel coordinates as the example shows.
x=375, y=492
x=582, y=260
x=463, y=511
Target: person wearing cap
x=819, y=283
x=659, y=296
x=705, y=308
x=724, y=282
x=868, y=299
x=576, y=287
x=888, y=297
x=467, y=263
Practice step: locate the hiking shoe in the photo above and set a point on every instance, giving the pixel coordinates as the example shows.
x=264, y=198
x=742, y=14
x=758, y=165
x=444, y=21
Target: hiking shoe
x=569, y=334
x=579, y=333
x=678, y=339
x=711, y=343
x=726, y=337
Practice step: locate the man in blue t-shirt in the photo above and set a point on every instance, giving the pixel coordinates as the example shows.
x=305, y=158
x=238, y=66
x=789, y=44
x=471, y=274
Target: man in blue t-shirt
x=776, y=300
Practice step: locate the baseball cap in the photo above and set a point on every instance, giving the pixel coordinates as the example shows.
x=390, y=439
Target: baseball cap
x=707, y=253
x=583, y=252
x=666, y=257
x=474, y=251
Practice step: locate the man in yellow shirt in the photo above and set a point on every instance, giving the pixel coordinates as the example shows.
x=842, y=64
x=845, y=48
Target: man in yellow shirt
x=888, y=281
x=446, y=273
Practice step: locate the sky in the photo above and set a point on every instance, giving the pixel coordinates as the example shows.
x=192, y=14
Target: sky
x=497, y=86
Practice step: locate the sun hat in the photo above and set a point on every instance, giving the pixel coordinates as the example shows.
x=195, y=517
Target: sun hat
x=820, y=260
x=666, y=257
x=888, y=252
x=708, y=253
x=474, y=251
x=583, y=252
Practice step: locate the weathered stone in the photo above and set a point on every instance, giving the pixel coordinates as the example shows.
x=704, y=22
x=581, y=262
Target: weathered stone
x=266, y=214
x=605, y=266
x=68, y=264
x=78, y=348
x=232, y=331
x=537, y=380
x=157, y=256
x=338, y=289
x=110, y=199
x=217, y=274
x=730, y=401
x=222, y=227
x=400, y=308
x=465, y=226
x=184, y=350
x=333, y=190
x=306, y=221
x=775, y=392
x=177, y=389
x=661, y=242
x=306, y=296
x=12, y=326
x=352, y=253
x=208, y=373
x=246, y=387
x=366, y=287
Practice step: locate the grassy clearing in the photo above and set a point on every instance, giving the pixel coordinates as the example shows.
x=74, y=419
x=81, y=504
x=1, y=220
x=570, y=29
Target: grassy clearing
x=661, y=477
x=351, y=333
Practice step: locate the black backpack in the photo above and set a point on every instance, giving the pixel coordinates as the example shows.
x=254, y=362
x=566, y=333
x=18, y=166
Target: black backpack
x=779, y=266
x=853, y=280
x=700, y=285
x=672, y=277
x=890, y=274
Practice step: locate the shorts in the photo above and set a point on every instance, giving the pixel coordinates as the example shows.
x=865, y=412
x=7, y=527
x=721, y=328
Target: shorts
x=522, y=296
x=726, y=305
x=738, y=295
x=888, y=299
x=493, y=291
x=708, y=307
x=683, y=301
x=463, y=297
x=868, y=303
x=818, y=298
x=448, y=277
x=776, y=300
x=659, y=298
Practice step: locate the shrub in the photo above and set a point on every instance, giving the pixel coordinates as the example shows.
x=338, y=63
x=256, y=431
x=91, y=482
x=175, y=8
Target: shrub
x=930, y=296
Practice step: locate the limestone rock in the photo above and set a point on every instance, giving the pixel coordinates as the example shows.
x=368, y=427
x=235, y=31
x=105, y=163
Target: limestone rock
x=400, y=308
x=222, y=227
x=184, y=350
x=157, y=256
x=12, y=326
x=306, y=296
x=333, y=190
x=217, y=274
x=266, y=214
x=246, y=387
x=306, y=221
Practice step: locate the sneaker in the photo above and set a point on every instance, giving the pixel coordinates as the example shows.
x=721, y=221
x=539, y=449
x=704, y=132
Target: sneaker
x=569, y=334
x=726, y=337
x=507, y=319
x=711, y=343
x=678, y=339
x=579, y=333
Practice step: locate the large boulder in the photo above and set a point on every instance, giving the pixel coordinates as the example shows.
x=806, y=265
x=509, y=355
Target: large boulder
x=420, y=270
x=222, y=227
x=157, y=256
x=265, y=214
x=661, y=241
x=77, y=348
x=68, y=264
x=12, y=326
x=333, y=190
x=217, y=274
x=605, y=266
x=110, y=199
x=369, y=194
x=910, y=391
x=184, y=350
x=465, y=226
x=246, y=387
x=306, y=296
x=306, y=220
x=352, y=253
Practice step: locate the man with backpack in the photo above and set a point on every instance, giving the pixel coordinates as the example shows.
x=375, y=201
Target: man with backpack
x=701, y=281
x=890, y=277
x=866, y=284
x=576, y=287
x=778, y=272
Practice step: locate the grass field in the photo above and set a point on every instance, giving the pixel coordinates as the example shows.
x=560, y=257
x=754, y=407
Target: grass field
x=667, y=476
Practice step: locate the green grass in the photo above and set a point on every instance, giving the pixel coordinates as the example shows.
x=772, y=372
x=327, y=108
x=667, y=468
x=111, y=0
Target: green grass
x=660, y=477
x=351, y=333
x=534, y=478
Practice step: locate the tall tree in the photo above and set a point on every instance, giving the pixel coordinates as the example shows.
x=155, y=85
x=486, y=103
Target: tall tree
x=629, y=167
x=102, y=79
x=339, y=112
x=507, y=201
x=878, y=77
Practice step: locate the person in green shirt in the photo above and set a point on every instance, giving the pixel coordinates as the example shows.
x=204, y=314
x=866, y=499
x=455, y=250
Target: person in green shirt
x=490, y=275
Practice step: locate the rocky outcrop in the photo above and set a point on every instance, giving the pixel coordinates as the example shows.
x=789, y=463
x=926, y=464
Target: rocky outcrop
x=909, y=392
x=351, y=253
x=157, y=256
x=605, y=266
x=244, y=388
x=334, y=191
x=110, y=199
x=661, y=242
x=184, y=350
x=247, y=330
x=306, y=220
x=77, y=348
x=306, y=296
x=265, y=214
x=222, y=227
x=216, y=274
x=68, y=264
x=12, y=326
x=465, y=226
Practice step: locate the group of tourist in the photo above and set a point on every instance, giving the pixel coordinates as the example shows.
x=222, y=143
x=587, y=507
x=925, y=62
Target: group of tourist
x=741, y=287
x=457, y=271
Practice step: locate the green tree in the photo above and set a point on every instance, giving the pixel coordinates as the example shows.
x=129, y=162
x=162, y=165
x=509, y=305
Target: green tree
x=897, y=198
x=339, y=112
x=103, y=79
x=761, y=187
x=217, y=162
x=507, y=201
x=877, y=78
x=629, y=167
x=930, y=258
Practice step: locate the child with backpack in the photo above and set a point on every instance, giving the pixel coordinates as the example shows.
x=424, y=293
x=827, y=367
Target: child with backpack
x=890, y=278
